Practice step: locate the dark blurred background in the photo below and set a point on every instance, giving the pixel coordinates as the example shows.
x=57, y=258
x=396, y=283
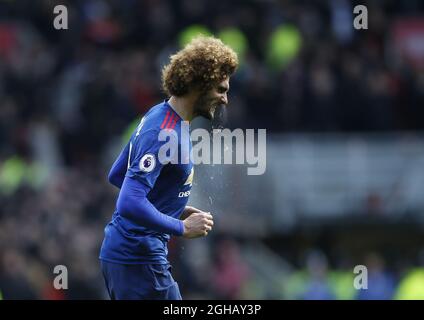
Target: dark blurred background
x=344, y=113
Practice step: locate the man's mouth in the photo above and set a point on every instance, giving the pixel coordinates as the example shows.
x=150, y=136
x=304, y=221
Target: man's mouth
x=212, y=111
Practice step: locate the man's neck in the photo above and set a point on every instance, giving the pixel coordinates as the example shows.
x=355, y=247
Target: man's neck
x=183, y=106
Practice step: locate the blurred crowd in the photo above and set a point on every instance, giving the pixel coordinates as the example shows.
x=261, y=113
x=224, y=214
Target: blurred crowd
x=67, y=97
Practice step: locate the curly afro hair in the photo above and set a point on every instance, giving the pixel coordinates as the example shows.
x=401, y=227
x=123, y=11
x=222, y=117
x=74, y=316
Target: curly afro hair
x=200, y=65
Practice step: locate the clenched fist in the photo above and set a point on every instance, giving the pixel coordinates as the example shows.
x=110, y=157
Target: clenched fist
x=198, y=224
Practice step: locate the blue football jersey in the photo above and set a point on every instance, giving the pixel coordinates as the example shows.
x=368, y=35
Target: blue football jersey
x=159, y=157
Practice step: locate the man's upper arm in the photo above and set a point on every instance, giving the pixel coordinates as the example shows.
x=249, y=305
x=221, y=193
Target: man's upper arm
x=119, y=168
x=145, y=164
x=143, y=171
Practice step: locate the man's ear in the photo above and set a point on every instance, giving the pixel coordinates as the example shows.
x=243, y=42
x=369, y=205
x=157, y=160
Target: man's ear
x=194, y=93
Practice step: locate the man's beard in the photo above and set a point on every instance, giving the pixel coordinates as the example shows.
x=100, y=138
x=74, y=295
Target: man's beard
x=216, y=113
x=220, y=117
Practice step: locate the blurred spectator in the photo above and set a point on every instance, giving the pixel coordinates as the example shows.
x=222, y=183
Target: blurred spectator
x=411, y=286
x=317, y=287
x=229, y=272
x=381, y=284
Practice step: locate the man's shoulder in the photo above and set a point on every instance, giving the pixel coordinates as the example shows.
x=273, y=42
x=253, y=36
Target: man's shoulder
x=154, y=118
x=160, y=118
x=156, y=125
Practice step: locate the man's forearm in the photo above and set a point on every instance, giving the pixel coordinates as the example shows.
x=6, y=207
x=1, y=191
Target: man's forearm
x=133, y=204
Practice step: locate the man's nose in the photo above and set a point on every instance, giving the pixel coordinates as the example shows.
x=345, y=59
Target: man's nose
x=224, y=99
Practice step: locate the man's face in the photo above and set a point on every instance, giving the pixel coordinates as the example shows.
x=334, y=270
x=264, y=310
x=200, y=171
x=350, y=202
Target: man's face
x=207, y=102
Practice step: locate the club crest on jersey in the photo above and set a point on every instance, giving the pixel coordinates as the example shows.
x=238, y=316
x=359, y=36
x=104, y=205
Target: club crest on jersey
x=147, y=163
x=189, y=180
